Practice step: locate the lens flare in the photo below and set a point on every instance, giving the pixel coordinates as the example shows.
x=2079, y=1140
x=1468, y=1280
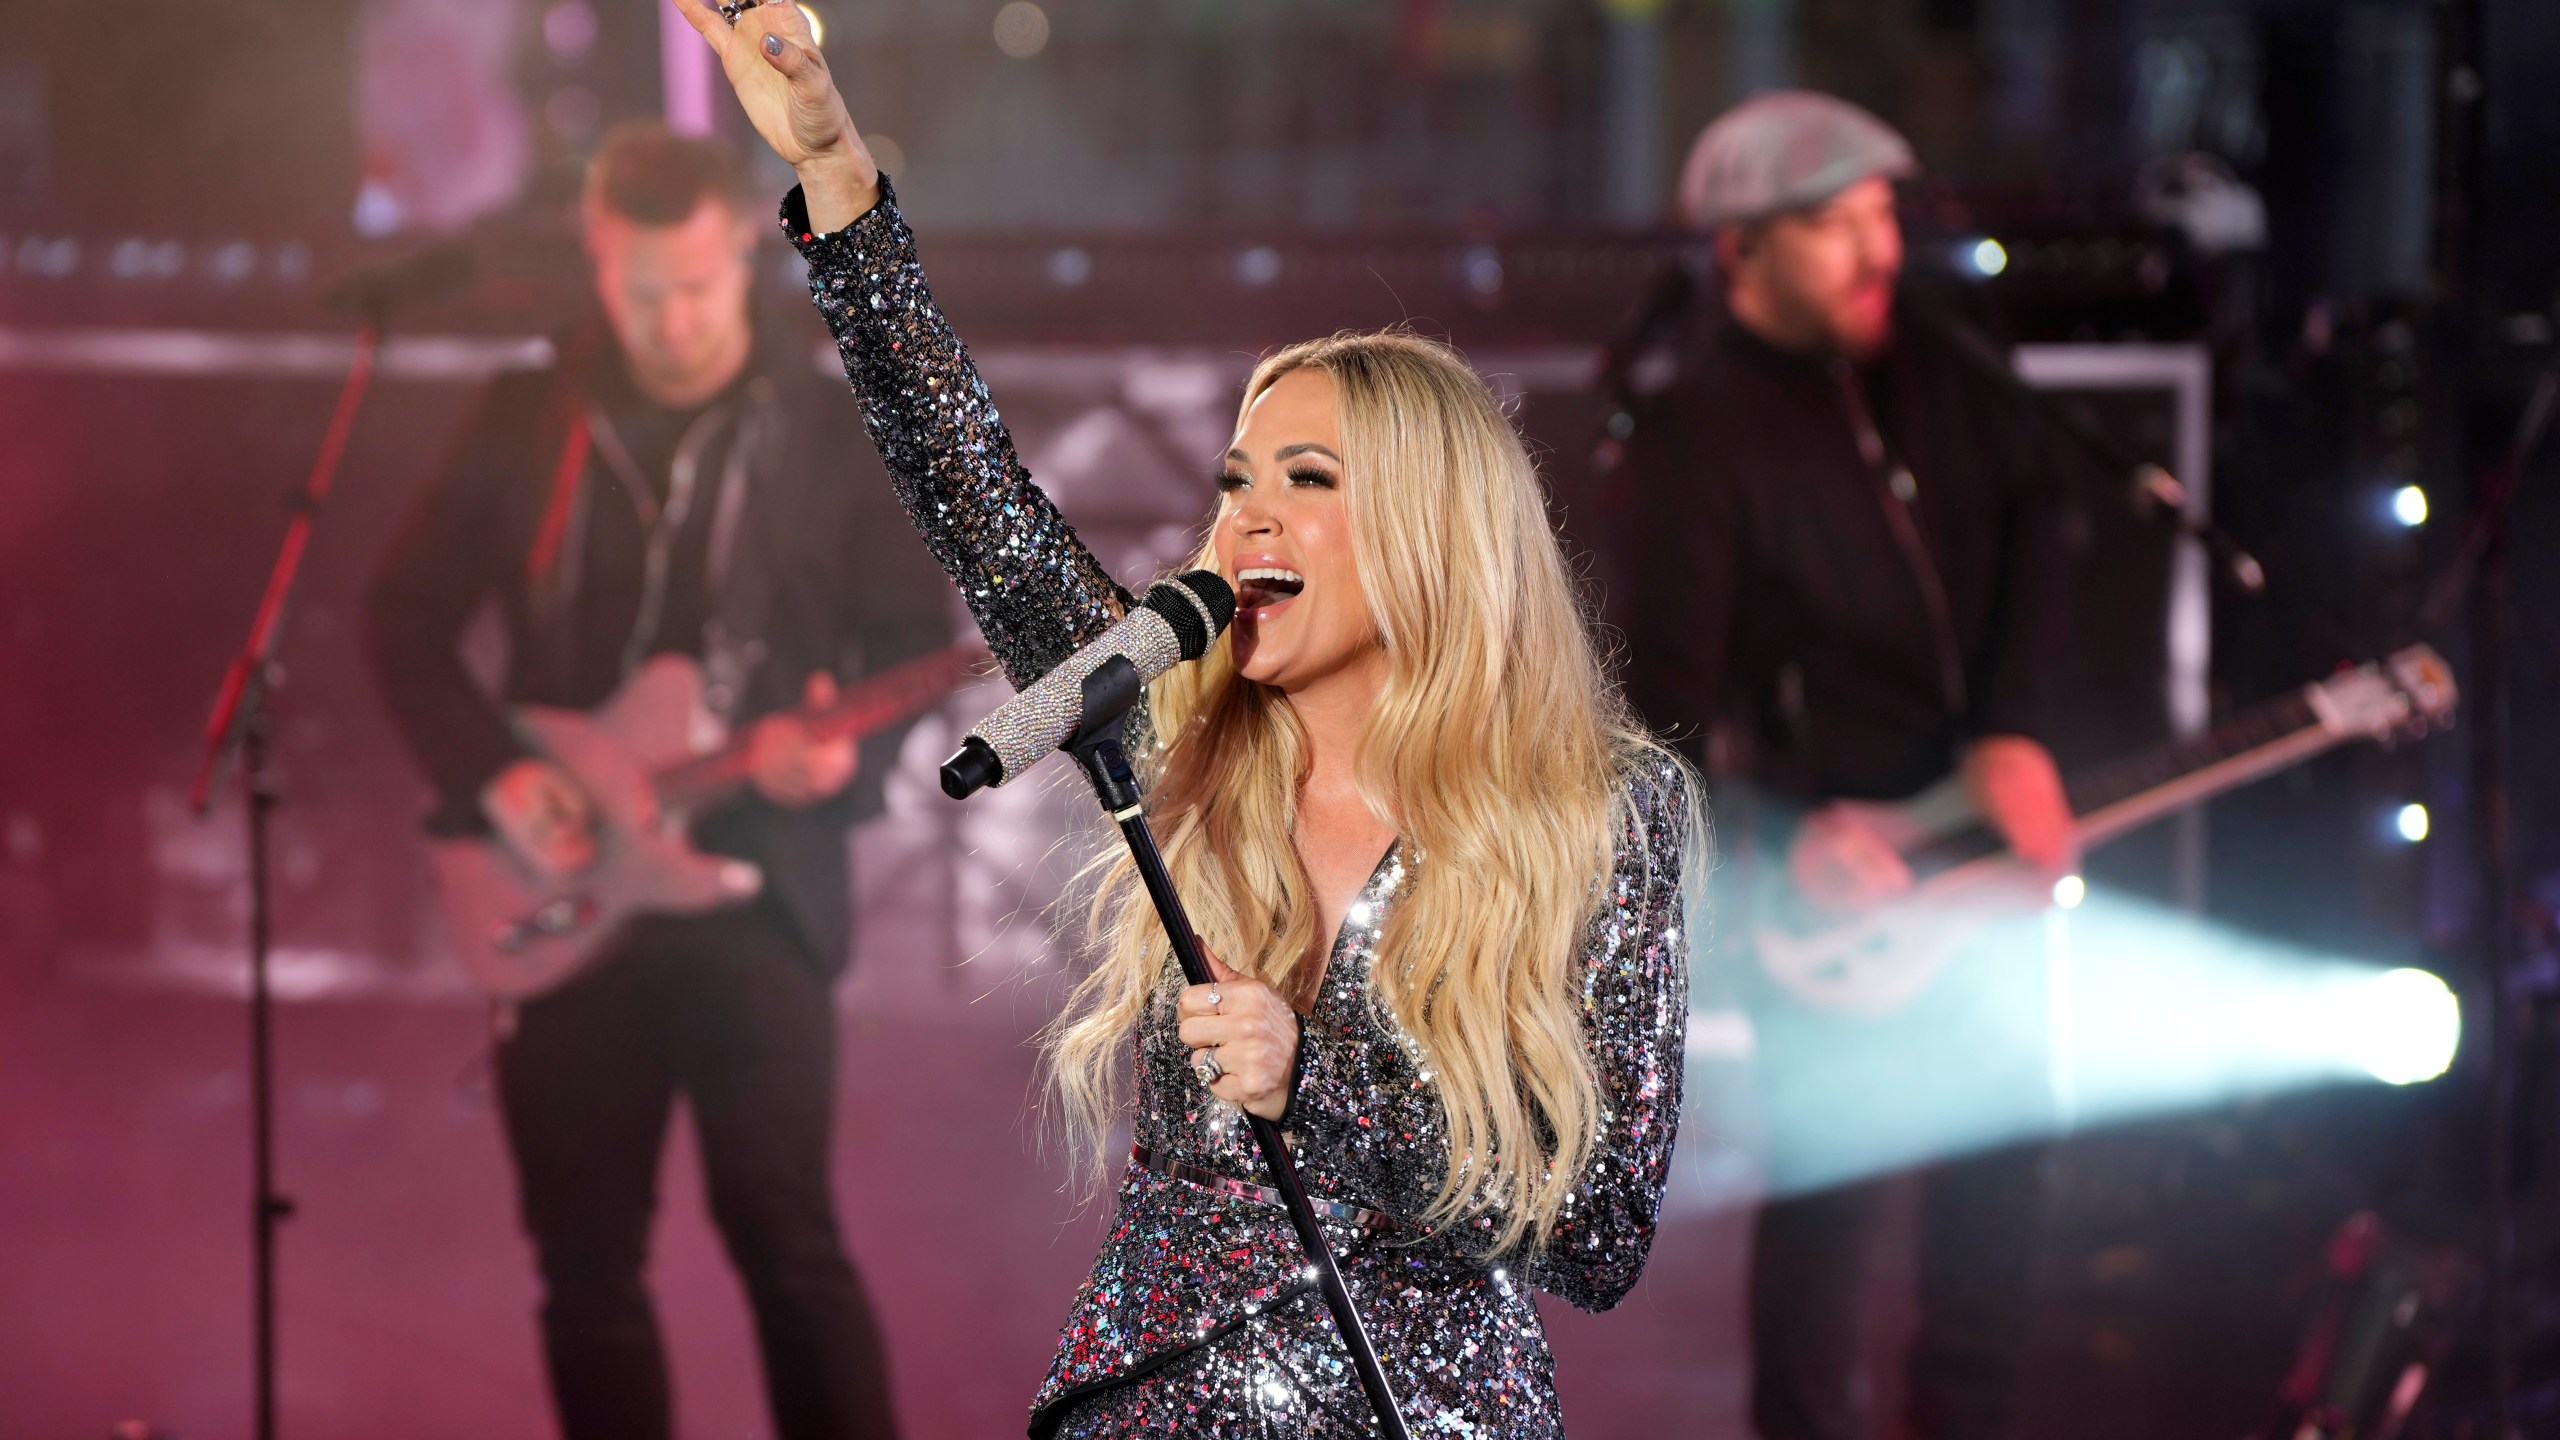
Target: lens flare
x=1022, y=29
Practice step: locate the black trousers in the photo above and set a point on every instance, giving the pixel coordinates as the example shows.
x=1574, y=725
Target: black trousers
x=1979, y=1222
x=1953, y=1083
x=728, y=1010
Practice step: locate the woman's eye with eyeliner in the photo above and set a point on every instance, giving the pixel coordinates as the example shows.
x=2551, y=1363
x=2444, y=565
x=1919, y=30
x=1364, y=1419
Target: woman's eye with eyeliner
x=1310, y=475
x=1230, y=480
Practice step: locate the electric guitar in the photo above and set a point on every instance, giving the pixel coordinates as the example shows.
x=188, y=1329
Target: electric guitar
x=1882, y=957
x=651, y=758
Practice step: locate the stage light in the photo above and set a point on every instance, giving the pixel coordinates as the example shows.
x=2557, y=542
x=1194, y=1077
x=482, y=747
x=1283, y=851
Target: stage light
x=2402, y=1026
x=573, y=112
x=817, y=26
x=378, y=211
x=2410, y=822
x=231, y=263
x=569, y=29
x=2069, y=891
x=1022, y=29
x=1069, y=267
x=2409, y=506
x=1258, y=266
x=2112, y=1011
x=1983, y=258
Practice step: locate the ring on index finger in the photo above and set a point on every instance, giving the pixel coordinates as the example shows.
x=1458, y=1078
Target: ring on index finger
x=734, y=8
x=1213, y=999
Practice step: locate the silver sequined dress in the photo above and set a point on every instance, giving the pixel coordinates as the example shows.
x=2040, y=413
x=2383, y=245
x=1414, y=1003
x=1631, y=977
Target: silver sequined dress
x=1198, y=1318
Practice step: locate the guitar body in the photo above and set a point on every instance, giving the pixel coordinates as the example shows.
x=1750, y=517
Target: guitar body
x=517, y=936
x=1877, y=960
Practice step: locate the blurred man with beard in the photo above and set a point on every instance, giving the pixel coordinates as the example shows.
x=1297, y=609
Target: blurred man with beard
x=1840, y=577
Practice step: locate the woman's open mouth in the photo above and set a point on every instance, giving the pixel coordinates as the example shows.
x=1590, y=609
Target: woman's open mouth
x=1261, y=589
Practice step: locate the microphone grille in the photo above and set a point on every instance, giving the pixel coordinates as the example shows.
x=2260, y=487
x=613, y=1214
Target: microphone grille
x=1196, y=605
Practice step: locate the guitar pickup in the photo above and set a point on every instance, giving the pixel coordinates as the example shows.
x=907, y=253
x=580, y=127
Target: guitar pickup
x=549, y=921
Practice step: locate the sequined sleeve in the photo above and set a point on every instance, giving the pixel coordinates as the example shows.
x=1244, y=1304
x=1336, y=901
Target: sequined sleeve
x=1037, y=592
x=1635, y=1018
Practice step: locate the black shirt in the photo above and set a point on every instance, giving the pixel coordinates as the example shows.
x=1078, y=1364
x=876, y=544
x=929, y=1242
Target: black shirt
x=1766, y=593
x=633, y=472
x=813, y=568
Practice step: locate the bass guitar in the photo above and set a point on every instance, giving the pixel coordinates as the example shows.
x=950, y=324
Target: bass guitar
x=1878, y=959
x=651, y=758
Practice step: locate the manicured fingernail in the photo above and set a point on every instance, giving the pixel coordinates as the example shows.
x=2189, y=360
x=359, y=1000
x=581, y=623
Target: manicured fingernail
x=773, y=44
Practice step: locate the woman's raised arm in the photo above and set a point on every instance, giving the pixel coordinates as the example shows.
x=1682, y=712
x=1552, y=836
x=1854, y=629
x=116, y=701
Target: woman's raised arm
x=1037, y=592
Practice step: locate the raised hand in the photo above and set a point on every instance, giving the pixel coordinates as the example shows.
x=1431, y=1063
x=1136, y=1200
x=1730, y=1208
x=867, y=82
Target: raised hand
x=773, y=63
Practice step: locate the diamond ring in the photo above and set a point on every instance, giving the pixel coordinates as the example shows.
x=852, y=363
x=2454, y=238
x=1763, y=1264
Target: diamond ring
x=1204, y=1063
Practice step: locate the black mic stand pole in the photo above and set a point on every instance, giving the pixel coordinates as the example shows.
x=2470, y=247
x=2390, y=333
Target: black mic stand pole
x=1109, y=692
x=238, y=729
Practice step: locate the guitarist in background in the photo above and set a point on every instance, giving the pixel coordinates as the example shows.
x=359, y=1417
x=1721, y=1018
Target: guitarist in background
x=676, y=482
x=1841, y=580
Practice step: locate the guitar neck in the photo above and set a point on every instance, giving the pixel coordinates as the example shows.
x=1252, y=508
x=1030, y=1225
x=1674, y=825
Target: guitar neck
x=869, y=707
x=2140, y=788
x=2251, y=745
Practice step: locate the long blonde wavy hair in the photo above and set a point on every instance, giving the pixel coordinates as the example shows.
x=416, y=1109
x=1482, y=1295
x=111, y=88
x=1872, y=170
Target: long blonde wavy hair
x=1494, y=752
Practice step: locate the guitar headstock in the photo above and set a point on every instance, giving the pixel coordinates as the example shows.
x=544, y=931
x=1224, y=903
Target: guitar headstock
x=2400, y=698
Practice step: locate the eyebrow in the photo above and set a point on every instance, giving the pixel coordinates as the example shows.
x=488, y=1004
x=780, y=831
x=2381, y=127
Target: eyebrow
x=1287, y=451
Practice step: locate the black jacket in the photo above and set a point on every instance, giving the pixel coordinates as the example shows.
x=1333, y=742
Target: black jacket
x=821, y=572
x=1765, y=593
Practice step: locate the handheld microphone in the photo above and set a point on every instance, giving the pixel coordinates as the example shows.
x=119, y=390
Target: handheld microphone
x=1174, y=622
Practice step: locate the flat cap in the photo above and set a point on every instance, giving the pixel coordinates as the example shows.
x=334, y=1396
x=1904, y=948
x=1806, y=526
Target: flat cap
x=1785, y=150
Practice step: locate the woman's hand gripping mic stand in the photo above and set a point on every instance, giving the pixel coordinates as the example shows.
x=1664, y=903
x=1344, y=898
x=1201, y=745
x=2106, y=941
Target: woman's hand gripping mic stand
x=1109, y=693
x=1082, y=706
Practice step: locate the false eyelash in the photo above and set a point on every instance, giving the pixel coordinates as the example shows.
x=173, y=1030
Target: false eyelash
x=1226, y=480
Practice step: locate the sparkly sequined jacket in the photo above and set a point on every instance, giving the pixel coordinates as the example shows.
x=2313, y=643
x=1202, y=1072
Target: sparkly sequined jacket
x=1197, y=1318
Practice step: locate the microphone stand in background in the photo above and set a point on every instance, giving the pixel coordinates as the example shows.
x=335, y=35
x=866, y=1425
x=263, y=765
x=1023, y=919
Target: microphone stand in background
x=2155, y=493
x=1109, y=692
x=237, y=734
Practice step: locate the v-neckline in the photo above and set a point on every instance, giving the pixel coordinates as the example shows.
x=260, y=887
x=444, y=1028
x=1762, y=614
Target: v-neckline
x=1365, y=895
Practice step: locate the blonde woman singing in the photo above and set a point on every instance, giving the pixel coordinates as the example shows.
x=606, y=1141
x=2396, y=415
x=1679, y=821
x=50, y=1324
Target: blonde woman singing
x=1403, y=801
